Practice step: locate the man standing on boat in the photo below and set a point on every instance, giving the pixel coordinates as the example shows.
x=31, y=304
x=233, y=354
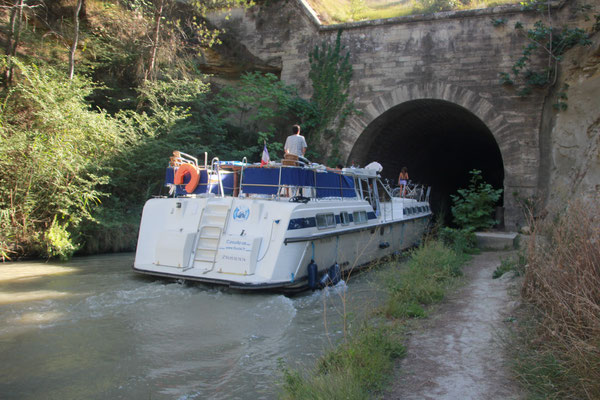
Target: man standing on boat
x=295, y=144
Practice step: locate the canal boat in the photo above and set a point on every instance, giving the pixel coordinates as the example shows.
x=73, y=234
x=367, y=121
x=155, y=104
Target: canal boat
x=285, y=226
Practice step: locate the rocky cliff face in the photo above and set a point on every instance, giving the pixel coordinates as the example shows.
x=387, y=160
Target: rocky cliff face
x=571, y=152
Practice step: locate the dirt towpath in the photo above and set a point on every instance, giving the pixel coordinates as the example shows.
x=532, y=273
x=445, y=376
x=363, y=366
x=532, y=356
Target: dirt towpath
x=456, y=353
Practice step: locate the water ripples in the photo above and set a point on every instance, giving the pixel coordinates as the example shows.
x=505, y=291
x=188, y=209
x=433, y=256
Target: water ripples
x=117, y=335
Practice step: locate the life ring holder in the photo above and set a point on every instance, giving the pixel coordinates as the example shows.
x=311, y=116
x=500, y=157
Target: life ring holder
x=194, y=177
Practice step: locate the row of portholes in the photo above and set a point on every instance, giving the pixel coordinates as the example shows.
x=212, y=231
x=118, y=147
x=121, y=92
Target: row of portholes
x=416, y=210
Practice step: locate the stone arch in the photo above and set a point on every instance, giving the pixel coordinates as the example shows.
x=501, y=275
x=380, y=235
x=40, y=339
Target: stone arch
x=464, y=107
x=465, y=98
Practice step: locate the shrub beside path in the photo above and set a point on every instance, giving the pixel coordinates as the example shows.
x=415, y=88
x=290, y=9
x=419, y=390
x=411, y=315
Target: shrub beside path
x=457, y=353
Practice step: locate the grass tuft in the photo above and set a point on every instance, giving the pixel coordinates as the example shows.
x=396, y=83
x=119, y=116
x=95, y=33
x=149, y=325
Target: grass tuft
x=423, y=281
x=353, y=370
x=340, y=11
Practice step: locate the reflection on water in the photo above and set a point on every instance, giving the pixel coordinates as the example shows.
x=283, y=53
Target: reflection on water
x=92, y=329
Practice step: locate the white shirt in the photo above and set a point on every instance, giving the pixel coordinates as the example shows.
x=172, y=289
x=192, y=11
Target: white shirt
x=294, y=144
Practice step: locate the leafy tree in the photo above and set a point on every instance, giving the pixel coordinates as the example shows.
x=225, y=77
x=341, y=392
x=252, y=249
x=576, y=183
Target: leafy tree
x=260, y=108
x=156, y=128
x=473, y=207
x=53, y=151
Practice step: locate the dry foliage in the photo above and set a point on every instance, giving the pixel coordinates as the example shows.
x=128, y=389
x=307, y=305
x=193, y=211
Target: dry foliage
x=562, y=282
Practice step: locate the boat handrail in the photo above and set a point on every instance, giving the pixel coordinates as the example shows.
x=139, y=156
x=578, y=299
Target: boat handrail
x=279, y=182
x=189, y=159
x=244, y=163
x=272, y=182
x=214, y=166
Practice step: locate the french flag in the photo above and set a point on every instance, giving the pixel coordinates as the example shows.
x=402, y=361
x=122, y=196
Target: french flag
x=265, y=156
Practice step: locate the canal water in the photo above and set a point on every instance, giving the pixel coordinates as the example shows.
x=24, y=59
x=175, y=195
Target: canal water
x=93, y=329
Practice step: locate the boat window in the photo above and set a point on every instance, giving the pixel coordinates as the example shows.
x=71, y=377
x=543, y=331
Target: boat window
x=360, y=217
x=344, y=218
x=325, y=220
x=409, y=210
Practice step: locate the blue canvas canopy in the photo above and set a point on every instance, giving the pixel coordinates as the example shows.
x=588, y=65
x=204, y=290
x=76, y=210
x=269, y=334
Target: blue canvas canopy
x=331, y=184
x=268, y=180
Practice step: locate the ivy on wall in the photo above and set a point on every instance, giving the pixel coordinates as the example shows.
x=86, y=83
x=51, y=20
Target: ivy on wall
x=549, y=39
x=331, y=73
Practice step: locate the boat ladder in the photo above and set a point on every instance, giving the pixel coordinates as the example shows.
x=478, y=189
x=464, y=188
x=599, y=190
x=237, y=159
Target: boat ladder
x=213, y=223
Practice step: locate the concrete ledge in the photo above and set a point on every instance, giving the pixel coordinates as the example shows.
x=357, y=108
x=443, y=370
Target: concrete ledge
x=496, y=240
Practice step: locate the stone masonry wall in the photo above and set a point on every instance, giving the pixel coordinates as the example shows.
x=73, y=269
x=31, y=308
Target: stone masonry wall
x=452, y=56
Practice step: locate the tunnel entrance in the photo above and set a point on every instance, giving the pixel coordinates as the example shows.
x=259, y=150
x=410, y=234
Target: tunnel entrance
x=438, y=141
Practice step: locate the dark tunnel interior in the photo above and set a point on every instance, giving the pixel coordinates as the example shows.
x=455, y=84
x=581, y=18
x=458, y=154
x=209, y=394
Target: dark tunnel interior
x=438, y=141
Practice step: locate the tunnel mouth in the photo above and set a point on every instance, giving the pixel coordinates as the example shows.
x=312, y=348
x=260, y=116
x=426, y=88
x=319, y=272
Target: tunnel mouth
x=438, y=141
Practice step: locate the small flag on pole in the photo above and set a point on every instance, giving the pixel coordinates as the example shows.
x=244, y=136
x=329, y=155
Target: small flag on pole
x=265, y=156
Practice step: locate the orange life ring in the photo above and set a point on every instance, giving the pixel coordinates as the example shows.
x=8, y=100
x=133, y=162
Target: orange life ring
x=194, y=177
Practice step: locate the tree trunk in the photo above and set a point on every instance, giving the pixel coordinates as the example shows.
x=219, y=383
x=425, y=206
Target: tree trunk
x=157, y=18
x=11, y=27
x=16, y=16
x=75, y=40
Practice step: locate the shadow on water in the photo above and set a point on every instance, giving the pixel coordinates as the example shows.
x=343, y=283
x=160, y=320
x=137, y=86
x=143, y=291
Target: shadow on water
x=92, y=328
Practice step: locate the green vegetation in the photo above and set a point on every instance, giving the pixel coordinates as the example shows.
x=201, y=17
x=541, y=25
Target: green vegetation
x=555, y=345
x=551, y=40
x=93, y=104
x=459, y=240
x=473, y=207
x=339, y=11
x=424, y=279
x=360, y=366
x=54, y=151
x=331, y=73
x=353, y=370
x=508, y=264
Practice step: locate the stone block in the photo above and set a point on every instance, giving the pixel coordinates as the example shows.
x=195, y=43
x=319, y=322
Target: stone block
x=496, y=240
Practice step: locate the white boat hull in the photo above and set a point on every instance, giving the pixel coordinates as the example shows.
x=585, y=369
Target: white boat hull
x=254, y=243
